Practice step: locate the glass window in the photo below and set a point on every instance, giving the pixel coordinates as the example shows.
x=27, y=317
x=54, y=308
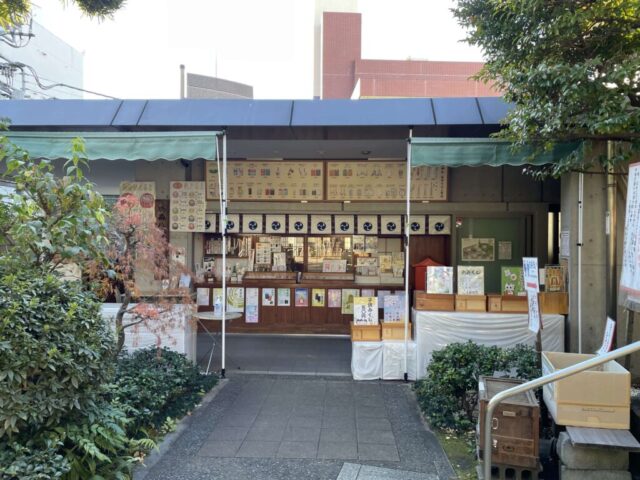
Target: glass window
x=329, y=248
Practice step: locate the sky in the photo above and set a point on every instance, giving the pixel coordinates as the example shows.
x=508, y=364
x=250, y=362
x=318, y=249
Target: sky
x=267, y=44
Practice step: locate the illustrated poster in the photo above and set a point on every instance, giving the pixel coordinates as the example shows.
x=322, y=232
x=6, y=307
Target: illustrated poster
x=317, y=297
x=334, y=298
x=145, y=199
x=202, y=297
x=268, y=297
x=470, y=280
x=365, y=311
x=478, y=249
x=394, y=308
x=512, y=281
x=188, y=205
x=348, y=294
x=268, y=180
x=379, y=180
x=554, y=278
x=439, y=280
x=302, y=297
x=235, y=299
x=284, y=297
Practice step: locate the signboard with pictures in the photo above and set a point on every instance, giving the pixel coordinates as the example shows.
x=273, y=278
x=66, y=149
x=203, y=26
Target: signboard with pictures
x=394, y=306
x=143, y=196
x=439, y=280
x=348, y=294
x=365, y=311
x=478, y=249
x=188, y=207
x=252, y=310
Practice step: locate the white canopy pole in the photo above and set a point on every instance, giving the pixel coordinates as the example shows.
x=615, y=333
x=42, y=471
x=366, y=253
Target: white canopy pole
x=407, y=225
x=580, y=228
x=223, y=215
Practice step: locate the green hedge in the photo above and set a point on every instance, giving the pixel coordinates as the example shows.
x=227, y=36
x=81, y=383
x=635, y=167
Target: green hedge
x=449, y=394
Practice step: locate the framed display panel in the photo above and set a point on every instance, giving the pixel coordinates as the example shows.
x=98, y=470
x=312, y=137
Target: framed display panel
x=252, y=223
x=439, y=225
x=367, y=224
x=344, y=224
x=211, y=222
x=417, y=225
x=298, y=223
x=268, y=180
x=321, y=224
x=233, y=223
x=145, y=197
x=276, y=223
x=384, y=181
x=391, y=225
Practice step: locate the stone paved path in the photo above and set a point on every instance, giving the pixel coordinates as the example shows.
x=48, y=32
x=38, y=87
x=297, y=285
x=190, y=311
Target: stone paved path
x=305, y=428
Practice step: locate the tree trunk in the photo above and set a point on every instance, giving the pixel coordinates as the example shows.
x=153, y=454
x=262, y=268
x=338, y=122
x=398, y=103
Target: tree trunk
x=120, y=321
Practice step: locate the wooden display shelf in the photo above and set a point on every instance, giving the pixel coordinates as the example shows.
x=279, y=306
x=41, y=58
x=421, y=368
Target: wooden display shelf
x=433, y=301
x=507, y=304
x=471, y=303
x=394, y=330
x=365, y=333
x=554, y=302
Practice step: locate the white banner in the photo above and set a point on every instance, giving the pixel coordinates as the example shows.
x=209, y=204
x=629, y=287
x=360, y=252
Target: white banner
x=630, y=278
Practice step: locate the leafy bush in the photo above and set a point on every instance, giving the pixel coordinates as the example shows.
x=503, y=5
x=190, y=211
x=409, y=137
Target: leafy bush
x=152, y=385
x=449, y=393
x=31, y=461
x=55, y=350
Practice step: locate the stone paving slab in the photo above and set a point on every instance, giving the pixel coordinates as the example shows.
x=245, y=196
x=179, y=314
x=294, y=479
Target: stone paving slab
x=353, y=471
x=257, y=428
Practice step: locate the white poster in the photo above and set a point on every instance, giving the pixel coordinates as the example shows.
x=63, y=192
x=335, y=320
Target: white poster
x=202, y=297
x=188, y=207
x=365, y=311
x=630, y=278
x=535, y=323
x=532, y=286
x=470, y=280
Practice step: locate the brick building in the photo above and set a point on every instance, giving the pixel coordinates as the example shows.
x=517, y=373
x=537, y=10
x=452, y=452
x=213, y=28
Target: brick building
x=345, y=74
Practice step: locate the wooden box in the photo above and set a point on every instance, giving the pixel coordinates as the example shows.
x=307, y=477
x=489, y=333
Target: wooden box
x=471, y=303
x=515, y=424
x=395, y=330
x=433, y=301
x=507, y=304
x=598, y=398
x=554, y=302
x=365, y=333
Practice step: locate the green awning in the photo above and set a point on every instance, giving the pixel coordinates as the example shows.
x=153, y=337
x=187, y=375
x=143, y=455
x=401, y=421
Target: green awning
x=119, y=145
x=475, y=152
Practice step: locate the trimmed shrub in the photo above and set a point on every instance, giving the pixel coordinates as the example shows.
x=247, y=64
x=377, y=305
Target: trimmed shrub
x=55, y=350
x=449, y=393
x=153, y=385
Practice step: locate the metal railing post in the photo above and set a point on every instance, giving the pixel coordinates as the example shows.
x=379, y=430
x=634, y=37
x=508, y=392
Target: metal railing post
x=539, y=382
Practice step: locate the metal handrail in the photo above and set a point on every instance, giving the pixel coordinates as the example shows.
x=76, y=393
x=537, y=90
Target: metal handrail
x=538, y=382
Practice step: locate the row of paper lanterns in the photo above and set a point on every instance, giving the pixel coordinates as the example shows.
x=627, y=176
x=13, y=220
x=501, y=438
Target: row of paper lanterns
x=319, y=224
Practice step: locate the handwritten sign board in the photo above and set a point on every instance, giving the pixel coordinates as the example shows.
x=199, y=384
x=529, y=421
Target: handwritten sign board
x=268, y=180
x=376, y=180
x=145, y=198
x=532, y=286
x=607, y=338
x=365, y=311
x=630, y=278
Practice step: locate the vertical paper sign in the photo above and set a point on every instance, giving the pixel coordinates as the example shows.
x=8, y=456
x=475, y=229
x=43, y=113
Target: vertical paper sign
x=251, y=311
x=607, y=339
x=365, y=311
x=531, y=285
x=188, y=205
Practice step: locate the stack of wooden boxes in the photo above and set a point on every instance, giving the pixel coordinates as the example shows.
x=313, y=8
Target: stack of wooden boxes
x=515, y=428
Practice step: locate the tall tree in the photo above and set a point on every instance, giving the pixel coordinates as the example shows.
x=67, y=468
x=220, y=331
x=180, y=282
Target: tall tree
x=570, y=67
x=15, y=12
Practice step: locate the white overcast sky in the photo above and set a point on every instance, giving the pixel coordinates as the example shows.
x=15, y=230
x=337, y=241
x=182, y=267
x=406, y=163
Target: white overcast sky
x=264, y=43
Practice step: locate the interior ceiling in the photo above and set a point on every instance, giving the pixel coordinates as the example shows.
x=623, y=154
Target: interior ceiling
x=316, y=149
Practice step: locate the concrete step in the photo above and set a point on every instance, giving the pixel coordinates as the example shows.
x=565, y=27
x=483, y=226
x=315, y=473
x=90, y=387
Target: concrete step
x=355, y=471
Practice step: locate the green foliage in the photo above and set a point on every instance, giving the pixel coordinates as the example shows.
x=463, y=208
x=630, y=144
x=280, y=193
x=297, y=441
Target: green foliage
x=32, y=462
x=154, y=386
x=50, y=220
x=55, y=349
x=16, y=12
x=449, y=393
x=570, y=67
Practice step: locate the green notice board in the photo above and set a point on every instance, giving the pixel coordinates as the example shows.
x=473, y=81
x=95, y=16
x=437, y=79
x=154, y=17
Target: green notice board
x=489, y=242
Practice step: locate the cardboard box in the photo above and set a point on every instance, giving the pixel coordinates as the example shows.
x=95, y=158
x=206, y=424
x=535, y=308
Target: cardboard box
x=471, y=303
x=597, y=398
x=394, y=331
x=438, y=302
x=365, y=333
